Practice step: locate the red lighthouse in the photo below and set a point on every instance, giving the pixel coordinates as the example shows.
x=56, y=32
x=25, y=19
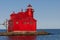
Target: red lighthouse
x=22, y=21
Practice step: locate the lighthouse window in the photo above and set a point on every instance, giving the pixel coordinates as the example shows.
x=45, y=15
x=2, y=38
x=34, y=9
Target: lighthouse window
x=30, y=22
x=24, y=22
x=10, y=23
x=16, y=22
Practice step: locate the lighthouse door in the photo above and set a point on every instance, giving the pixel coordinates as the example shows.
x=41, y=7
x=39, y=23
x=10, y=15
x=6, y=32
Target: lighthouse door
x=10, y=25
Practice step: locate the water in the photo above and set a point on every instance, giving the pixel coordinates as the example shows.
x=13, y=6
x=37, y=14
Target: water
x=54, y=36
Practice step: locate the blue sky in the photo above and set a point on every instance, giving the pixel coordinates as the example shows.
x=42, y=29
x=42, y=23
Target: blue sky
x=47, y=12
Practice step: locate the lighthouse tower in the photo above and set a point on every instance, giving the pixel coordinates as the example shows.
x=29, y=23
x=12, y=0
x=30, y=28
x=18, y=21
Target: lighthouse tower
x=30, y=11
x=22, y=21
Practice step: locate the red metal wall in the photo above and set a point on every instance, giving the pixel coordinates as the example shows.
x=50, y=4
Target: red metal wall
x=22, y=21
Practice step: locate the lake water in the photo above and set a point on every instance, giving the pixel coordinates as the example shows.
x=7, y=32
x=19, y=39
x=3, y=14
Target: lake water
x=54, y=36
